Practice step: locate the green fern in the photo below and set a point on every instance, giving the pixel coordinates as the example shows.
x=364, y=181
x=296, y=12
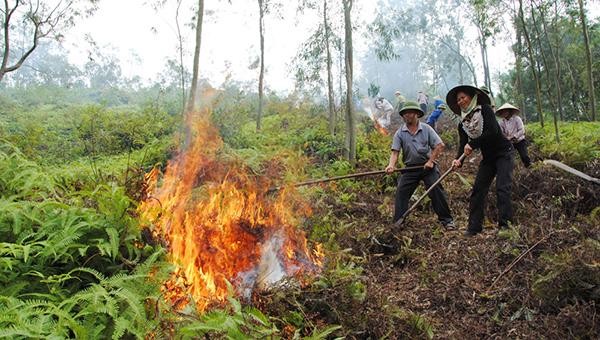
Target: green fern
x=237, y=323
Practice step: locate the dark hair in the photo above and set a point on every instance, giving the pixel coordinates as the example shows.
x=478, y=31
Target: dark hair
x=469, y=91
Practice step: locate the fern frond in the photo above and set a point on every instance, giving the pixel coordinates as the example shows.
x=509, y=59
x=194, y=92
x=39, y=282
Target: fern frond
x=121, y=325
x=134, y=302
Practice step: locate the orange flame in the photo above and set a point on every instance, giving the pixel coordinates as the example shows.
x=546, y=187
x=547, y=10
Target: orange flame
x=380, y=128
x=220, y=227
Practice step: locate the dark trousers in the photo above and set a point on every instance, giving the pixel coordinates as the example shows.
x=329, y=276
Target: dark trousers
x=522, y=150
x=423, y=107
x=501, y=168
x=407, y=184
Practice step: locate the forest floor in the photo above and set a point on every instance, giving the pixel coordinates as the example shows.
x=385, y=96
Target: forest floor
x=436, y=282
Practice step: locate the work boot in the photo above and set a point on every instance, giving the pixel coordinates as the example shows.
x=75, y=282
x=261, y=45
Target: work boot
x=471, y=233
x=449, y=225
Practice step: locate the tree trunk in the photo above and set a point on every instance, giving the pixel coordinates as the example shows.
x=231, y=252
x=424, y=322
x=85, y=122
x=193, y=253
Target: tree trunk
x=181, y=65
x=330, y=96
x=341, y=80
x=556, y=78
x=262, y=64
x=575, y=99
x=556, y=55
x=37, y=34
x=588, y=59
x=538, y=94
x=191, y=105
x=484, y=60
x=520, y=94
x=350, y=123
x=546, y=64
x=460, y=63
x=461, y=59
x=553, y=101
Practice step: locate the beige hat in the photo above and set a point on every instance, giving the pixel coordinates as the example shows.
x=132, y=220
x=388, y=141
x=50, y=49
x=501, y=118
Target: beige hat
x=507, y=106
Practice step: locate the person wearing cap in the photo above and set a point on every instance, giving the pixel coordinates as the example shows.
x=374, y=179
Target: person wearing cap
x=400, y=100
x=513, y=129
x=420, y=146
x=479, y=129
x=435, y=115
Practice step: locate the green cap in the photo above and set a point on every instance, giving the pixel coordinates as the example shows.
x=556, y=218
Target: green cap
x=412, y=106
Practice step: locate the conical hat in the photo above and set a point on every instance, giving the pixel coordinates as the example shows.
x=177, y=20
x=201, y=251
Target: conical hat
x=482, y=97
x=507, y=106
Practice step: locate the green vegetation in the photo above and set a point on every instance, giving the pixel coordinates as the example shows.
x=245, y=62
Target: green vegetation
x=70, y=261
x=579, y=141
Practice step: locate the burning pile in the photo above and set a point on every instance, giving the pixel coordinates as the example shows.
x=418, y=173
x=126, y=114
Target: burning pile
x=220, y=226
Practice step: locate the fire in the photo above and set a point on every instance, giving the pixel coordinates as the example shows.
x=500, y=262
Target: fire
x=380, y=128
x=220, y=224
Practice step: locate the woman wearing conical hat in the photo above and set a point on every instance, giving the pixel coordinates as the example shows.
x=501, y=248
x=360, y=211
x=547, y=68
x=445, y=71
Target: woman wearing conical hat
x=478, y=129
x=513, y=129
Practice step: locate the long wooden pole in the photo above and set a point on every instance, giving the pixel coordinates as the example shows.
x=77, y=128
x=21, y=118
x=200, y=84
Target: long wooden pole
x=360, y=174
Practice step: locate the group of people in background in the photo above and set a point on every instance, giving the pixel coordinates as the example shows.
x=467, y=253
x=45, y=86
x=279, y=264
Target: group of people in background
x=478, y=128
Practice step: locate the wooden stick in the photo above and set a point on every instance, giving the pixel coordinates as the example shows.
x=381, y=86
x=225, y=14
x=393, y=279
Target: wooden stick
x=517, y=260
x=360, y=174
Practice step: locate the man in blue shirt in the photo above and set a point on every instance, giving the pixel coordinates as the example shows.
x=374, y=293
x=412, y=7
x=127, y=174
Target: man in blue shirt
x=420, y=145
x=435, y=115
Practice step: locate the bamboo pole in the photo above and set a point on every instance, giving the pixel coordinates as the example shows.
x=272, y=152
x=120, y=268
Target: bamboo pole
x=360, y=174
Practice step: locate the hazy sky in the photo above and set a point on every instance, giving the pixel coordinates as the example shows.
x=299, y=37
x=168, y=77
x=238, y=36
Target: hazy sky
x=230, y=37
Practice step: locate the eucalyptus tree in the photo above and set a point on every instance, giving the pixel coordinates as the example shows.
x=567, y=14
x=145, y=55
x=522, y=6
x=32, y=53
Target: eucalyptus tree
x=427, y=34
x=554, y=54
x=40, y=20
x=102, y=69
x=195, y=68
x=588, y=58
x=350, y=147
x=262, y=8
x=532, y=62
x=550, y=69
x=316, y=52
x=542, y=58
x=485, y=15
x=183, y=73
x=452, y=40
x=518, y=52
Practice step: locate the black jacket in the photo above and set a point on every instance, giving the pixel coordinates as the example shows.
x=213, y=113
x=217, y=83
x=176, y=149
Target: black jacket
x=492, y=142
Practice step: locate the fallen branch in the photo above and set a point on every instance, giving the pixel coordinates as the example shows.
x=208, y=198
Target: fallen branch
x=572, y=171
x=517, y=260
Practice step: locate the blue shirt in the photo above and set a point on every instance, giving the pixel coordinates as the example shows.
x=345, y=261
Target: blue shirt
x=416, y=149
x=434, y=116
